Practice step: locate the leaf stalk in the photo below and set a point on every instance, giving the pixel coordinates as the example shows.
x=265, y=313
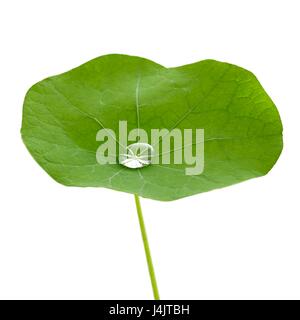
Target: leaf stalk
x=147, y=248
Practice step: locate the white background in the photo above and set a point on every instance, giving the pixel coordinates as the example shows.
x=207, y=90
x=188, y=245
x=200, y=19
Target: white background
x=242, y=242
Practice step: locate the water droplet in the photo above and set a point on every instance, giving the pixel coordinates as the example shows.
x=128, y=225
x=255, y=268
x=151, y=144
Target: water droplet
x=137, y=155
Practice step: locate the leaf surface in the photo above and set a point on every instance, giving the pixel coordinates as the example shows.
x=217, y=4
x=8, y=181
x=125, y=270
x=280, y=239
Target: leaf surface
x=242, y=127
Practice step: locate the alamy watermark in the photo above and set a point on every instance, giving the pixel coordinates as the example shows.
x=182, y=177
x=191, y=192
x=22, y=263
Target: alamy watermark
x=137, y=148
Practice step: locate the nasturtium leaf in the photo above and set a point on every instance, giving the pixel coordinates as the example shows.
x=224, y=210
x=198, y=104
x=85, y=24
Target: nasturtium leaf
x=242, y=128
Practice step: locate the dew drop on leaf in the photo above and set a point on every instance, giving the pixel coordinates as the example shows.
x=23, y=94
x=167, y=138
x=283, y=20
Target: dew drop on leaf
x=137, y=155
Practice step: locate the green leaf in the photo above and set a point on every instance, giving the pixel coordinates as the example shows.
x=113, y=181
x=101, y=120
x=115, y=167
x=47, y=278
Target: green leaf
x=242, y=127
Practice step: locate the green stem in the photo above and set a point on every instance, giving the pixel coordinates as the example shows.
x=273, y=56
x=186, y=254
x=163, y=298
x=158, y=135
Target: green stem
x=146, y=247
